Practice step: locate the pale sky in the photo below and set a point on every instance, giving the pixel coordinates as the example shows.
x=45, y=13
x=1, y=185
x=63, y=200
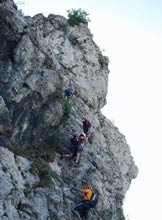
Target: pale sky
x=130, y=32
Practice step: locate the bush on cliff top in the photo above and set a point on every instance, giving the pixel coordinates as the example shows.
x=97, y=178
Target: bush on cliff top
x=77, y=16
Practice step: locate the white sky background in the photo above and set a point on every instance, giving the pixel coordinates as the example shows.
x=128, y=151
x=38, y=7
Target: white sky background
x=130, y=32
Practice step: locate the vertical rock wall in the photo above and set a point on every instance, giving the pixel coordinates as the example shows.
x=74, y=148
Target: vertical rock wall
x=39, y=58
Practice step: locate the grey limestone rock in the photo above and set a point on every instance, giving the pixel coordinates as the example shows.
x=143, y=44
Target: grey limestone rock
x=39, y=58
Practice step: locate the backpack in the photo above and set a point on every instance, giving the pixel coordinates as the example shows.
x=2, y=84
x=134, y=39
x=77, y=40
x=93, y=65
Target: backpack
x=88, y=124
x=94, y=200
x=74, y=140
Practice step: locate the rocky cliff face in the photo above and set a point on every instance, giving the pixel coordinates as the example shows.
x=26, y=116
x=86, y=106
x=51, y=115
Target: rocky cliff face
x=39, y=58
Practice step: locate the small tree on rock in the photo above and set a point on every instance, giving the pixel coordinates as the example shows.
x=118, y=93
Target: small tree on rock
x=77, y=16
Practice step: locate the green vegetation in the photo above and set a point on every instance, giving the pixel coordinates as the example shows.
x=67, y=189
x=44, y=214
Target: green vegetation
x=109, y=213
x=119, y=198
x=44, y=171
x=77, y=16
x=91, y=170
x=66, y=108
x=46, y=175
x=54, y=143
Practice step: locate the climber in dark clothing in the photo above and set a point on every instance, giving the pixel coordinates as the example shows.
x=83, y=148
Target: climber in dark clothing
x=69, y=92
x=81, y=209
x=86, y=125
x=76, y=148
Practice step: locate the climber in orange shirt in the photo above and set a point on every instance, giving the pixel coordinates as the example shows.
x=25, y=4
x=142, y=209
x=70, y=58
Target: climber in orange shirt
x=81, y=209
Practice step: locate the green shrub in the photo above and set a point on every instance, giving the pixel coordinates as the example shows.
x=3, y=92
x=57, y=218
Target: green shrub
x=54, y=143
x=45, y=173
x=119, y=198
x=91, y=170
x=109, y=213
x=67, y=108
x=77, y=16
